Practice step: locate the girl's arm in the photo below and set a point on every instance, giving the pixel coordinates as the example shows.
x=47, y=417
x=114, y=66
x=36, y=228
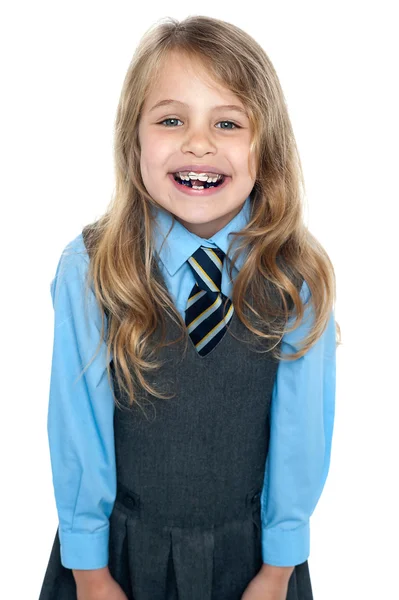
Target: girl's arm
x=302, y=417
x=80, y=419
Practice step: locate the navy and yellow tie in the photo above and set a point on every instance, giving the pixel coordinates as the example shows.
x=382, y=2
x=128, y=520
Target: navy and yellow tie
x=204, y=317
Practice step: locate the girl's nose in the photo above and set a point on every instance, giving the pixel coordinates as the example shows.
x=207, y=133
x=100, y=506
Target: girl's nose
x=198, y=140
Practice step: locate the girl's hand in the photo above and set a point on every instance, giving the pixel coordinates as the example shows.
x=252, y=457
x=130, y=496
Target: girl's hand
x=108, y=590
x=265, y=586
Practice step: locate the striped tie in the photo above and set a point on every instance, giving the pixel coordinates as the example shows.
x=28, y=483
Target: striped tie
x=205, y=306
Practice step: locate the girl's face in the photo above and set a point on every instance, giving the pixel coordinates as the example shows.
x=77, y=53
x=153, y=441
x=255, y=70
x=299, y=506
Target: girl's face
x=194, y=130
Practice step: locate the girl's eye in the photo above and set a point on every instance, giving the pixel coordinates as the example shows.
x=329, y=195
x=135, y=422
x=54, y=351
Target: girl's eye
x=231, y=122
x=170, y=119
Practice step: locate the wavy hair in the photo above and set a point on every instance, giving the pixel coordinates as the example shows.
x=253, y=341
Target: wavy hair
x=280, y=249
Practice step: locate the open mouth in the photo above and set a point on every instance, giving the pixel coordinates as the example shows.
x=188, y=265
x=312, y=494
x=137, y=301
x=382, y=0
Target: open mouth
x=196, y=182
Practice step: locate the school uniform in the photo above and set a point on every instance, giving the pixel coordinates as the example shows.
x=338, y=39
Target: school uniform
x=191, y=503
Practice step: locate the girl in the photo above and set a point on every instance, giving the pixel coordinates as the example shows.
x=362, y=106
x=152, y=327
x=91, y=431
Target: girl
x=193, y=376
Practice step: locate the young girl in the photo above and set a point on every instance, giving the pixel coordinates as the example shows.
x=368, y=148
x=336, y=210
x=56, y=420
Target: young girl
x=193, y=375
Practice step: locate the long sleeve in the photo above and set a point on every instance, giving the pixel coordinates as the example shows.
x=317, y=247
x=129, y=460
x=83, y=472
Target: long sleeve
x=80, y=418
x=301, y=428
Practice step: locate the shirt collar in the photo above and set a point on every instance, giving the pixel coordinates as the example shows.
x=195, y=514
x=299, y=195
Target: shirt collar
x=180, y=243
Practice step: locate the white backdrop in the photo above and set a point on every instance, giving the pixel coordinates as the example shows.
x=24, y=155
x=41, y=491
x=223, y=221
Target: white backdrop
x=62, y=67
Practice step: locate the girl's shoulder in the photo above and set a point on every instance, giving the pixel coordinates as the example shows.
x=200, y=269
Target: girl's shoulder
x=74, y=254
x=72, y=267
x=75, y=250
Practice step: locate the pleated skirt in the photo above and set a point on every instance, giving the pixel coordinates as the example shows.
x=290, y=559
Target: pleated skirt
x=175, y=563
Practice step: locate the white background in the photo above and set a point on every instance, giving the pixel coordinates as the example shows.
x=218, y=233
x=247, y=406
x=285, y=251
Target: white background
x=62, y=67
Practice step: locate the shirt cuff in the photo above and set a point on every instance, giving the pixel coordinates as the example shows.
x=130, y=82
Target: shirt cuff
x=84, y=550
x=286, y=547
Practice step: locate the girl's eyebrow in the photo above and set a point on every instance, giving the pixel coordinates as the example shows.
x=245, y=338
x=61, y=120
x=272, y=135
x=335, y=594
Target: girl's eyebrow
x=220, y=106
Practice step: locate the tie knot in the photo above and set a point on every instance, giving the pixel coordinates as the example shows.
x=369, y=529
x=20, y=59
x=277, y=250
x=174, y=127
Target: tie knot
x=207, y=265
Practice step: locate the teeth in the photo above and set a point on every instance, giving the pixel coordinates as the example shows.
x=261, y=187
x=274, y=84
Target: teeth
x=200, y=176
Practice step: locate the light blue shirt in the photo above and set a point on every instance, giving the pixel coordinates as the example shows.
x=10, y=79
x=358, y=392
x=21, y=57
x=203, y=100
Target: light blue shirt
x=81, y=410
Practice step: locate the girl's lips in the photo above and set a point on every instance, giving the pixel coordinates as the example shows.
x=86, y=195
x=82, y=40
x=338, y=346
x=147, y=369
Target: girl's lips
x=193, y=192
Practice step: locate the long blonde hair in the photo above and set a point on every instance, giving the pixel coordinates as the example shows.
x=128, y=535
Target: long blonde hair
x=280, y=247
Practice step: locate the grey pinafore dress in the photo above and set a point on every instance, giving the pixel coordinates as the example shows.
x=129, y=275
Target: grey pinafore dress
x=186, y=522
